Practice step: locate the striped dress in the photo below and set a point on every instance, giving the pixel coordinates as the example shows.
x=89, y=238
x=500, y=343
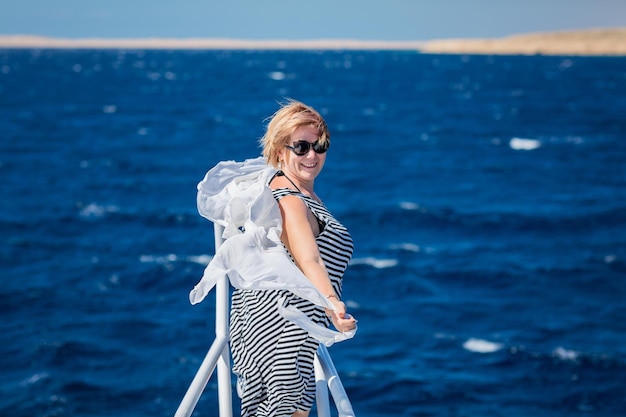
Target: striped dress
x=273, y=358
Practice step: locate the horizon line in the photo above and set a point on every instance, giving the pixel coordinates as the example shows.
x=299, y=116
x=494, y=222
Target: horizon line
x=603, y=41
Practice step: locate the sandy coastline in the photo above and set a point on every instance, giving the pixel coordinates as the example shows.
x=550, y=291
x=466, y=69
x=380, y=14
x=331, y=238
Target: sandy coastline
x=199, y=43
x=583, y=42
x=588, y=42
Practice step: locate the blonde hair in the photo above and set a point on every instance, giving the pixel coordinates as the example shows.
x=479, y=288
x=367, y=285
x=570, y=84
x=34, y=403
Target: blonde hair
x=291, y=115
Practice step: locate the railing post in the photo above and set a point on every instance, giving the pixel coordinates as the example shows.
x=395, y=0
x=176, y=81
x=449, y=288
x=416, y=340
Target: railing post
x=218, y=355
x=342, y=402
x=321, y=390
x=222, y=313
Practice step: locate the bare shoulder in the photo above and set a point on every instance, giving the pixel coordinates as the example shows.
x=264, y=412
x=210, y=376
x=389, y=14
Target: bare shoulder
x=289, y=202
x=293, y=205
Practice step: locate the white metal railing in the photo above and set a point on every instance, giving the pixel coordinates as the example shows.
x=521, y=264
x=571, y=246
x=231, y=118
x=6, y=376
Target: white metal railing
x=326, y=377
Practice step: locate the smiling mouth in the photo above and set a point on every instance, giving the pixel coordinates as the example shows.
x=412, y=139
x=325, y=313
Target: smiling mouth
x=310, y=165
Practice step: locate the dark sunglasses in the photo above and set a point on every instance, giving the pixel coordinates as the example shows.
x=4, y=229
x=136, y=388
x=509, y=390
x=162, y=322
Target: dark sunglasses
x=302, y=147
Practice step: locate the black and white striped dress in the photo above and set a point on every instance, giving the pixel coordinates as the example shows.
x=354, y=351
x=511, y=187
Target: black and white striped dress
x=273, y=358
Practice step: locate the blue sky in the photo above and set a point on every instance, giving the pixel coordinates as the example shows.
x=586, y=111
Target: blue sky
x=295, y=20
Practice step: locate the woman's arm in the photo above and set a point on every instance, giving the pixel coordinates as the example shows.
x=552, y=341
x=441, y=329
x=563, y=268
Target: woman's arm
x=299, y=230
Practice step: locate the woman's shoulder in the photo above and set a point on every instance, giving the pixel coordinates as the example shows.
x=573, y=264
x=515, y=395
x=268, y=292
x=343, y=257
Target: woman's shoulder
x=281, y=186
x=283, y=192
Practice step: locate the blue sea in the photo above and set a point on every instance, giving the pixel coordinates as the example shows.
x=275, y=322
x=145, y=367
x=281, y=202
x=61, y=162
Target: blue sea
x=486, y=196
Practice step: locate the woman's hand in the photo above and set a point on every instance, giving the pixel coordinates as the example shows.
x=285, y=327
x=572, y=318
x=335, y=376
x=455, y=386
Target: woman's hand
x=342, y=321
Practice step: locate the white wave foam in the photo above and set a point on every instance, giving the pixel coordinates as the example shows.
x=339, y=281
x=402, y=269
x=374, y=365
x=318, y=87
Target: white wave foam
x=565, y=354
x=409, y=247
x=576, y=140
x=406, y=205
x=481, y=346
x=35, y=378
x=277, y=75
x=95, y=210
x=164, y=259
x=521, y=144
x=376, y=263
x=201, y=259
x=565, y=64
x=110, y=108
x=158, y=259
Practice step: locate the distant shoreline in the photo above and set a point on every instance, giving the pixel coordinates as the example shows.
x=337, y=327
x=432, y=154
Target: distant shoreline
x=593, y=42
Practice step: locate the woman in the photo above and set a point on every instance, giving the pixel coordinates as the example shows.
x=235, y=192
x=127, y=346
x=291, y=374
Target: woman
x=273, y=357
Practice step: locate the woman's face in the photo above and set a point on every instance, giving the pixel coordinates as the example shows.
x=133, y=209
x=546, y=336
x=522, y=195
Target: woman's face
x=305, y=167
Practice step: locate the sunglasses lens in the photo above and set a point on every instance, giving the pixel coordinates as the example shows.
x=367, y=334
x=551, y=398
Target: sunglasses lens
x=301, y=147
x=319, y=147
